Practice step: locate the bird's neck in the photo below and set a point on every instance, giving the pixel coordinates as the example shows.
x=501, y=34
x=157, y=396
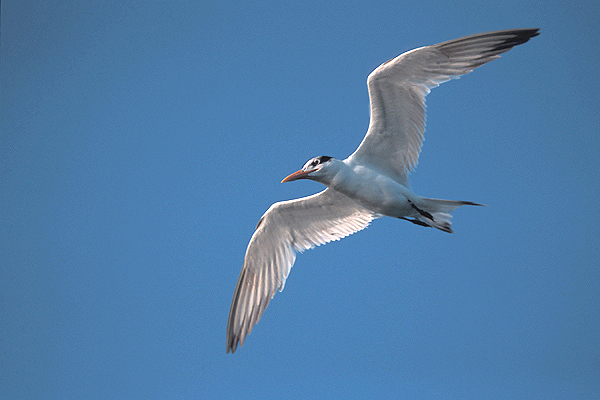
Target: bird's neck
x=341, y=177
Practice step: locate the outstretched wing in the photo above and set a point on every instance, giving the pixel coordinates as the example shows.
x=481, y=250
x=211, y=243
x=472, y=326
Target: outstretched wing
x=286, y=228
x=397, y=91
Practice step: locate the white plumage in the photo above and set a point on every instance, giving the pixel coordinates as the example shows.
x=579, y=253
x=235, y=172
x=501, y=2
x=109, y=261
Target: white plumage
x=370, y=183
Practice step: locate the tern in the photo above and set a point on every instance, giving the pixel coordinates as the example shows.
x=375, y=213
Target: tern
x=371, y=183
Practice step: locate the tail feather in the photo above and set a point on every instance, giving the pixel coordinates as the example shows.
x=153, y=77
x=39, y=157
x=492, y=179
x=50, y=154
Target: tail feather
x=436, y=212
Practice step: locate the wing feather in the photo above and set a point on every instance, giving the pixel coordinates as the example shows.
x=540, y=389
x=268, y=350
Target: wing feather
x=397, y=91
x=285, y=229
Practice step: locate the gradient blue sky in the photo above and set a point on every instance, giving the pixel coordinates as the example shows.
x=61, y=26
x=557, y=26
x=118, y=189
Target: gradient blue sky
x=141, y=141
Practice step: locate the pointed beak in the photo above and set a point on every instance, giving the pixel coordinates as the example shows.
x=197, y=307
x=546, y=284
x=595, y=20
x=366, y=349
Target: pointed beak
x=297, y=175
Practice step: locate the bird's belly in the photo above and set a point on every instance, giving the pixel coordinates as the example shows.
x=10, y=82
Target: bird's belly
x=384, y=203
x=381, y=195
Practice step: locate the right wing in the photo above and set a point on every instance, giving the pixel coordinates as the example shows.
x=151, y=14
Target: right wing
x=286, y=228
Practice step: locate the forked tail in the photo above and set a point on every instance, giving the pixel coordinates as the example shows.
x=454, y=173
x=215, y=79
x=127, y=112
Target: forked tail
x=436, y=212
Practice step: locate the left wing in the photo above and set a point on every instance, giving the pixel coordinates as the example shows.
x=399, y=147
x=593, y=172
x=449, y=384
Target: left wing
x=397, y=91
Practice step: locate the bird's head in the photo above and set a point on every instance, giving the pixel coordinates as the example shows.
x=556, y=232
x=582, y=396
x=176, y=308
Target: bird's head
x=317, y=169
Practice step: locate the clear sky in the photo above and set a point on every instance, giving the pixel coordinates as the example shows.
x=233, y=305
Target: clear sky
x=141, y=141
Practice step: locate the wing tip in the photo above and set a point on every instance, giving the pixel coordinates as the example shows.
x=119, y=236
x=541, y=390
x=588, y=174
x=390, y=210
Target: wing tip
x=521, y=36
x=232, y=344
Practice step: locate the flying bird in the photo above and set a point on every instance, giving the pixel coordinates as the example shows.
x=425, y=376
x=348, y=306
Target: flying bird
x=371, y=183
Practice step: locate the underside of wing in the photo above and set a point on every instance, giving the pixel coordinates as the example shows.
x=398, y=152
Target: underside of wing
x=286, y=228
x=397, y=91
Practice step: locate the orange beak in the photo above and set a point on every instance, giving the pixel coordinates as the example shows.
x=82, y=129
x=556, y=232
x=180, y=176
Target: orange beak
x=297, y=175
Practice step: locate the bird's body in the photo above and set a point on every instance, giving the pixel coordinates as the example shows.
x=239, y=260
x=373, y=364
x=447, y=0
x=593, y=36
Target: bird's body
x=369, y=188
x=371, y=183
x=372, y=189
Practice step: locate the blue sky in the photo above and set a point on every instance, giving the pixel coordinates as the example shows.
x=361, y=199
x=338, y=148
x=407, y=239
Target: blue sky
x=142, y=141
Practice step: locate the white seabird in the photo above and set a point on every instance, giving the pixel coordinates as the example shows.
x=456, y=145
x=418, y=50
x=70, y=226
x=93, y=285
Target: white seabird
x=372, y=182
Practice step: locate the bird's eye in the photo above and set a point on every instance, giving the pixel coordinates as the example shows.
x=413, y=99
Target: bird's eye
x=315, y=163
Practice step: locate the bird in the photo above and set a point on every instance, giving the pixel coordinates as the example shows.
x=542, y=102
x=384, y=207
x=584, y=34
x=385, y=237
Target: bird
x=371, y=183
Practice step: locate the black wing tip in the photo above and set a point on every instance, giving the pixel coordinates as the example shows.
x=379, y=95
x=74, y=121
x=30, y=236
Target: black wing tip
x=510, y=38
x=520, y=33
x=233, y=341
x=523, y=35
x=514, y=37
x=524, y=31
x=232, y=345
x=499, y=42
x=532, y=32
